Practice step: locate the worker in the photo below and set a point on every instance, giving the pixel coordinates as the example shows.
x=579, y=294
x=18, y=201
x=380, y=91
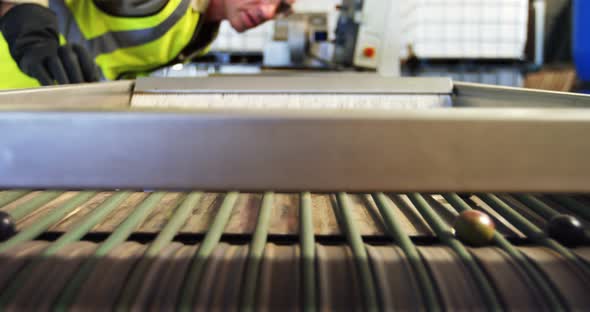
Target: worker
x=46, y=42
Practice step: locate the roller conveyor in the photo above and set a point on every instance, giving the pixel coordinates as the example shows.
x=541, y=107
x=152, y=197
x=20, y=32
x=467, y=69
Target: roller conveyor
x=365, y=234
x=275, y=251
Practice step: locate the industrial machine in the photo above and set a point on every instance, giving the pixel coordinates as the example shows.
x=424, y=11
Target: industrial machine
x=487, y=42
x=300, y=192
x=368, y=35
x=299, y=40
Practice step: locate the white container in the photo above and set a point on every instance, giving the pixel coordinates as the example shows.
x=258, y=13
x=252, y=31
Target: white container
x=464, y=29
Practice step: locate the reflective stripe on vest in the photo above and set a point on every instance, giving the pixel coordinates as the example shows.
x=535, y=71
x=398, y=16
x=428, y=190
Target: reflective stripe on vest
x=127, y=44
x=110, y=41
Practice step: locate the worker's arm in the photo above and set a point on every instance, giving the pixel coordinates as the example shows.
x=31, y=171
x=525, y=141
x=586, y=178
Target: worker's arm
x=31, y=31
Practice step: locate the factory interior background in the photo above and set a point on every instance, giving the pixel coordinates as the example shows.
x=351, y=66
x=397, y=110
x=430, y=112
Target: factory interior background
x=500, y=42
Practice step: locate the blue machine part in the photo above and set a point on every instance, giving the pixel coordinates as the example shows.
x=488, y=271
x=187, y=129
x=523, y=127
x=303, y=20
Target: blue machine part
x=581, y=40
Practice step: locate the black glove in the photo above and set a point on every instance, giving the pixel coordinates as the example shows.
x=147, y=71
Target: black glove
x=32, y=36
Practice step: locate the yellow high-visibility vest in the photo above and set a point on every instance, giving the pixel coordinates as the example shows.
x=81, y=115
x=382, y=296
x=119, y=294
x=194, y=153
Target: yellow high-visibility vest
x=119, y=45
x=11, y=77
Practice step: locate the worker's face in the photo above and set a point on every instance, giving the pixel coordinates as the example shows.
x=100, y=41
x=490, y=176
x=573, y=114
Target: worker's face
x=246, y=14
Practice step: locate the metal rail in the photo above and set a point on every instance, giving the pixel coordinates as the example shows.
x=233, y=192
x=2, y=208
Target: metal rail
x=302, y=84
x=482, y=95
x=105, y=95
x=439, y=150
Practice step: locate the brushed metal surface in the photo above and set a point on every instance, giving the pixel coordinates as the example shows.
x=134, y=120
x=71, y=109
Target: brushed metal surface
x=317, y=83
x=105, y=95
x=462, y=149
x=483, y=95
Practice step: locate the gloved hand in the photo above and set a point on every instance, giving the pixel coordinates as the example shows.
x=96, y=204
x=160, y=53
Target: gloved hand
x=32, y=36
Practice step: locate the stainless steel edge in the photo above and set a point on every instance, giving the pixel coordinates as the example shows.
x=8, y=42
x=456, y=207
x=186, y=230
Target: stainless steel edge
x=104, y=95
x=326, y=83
x=482, y=95
x=413, y=150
